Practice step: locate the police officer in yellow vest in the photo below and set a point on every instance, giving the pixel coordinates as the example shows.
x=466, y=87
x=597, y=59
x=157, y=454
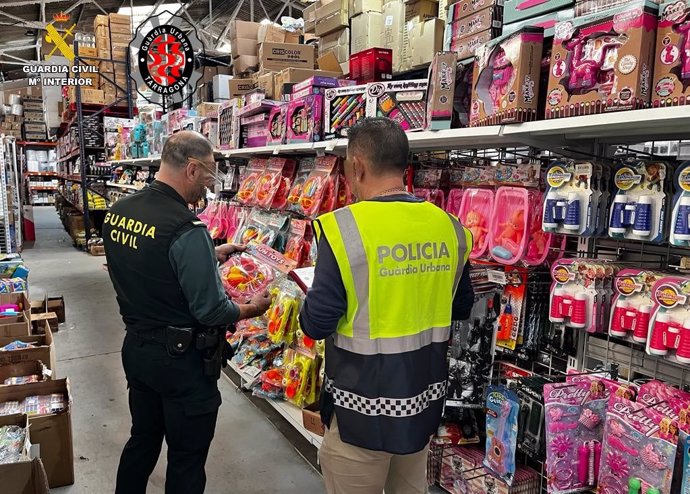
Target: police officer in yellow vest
x=391, y=275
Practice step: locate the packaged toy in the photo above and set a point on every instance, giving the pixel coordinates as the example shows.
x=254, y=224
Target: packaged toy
x=669, y=334
x=372, y=65
x=402, y=101
x=513, y=313
x=638, y=211
x=502, y=410
x=680, y=217
x=516, y=10
x=273, y=187
x=298, y=244
x=476, y=210
x=276, y=125
x=571, y=203
x=305, y=119
x=229, y=125
x=671, y=83
x=636, y=455
x=282, y=314
x=633, y=304
x=454, y=202
x=508, y=227
x=299, y=377
x=506, y=79
x=343, y=107
x=306, y=165
x=263, y=227
x=603, y=61
x=318, y=191
x=250, y=180
x=439, y=109
x=466, y=31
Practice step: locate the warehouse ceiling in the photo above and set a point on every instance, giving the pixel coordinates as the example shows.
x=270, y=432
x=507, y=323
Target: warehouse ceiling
x=22, y=22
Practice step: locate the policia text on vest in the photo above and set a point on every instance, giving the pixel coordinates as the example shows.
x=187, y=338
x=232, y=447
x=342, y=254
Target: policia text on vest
x=126, y=231
x=414, y=255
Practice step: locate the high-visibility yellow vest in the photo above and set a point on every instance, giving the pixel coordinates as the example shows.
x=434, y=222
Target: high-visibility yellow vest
x=401, y=264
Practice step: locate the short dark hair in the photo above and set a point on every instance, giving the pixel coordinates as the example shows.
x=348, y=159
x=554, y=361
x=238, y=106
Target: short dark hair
x=382, y=142
x=184, y=145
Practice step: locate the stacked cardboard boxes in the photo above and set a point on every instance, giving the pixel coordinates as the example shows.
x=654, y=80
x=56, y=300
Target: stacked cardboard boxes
x=393, y=27
x=422, y=34
x=244, y=37
x=34, y=127
x=470, y=24
x=332, y=16
x=367, y=24
x=113, y=35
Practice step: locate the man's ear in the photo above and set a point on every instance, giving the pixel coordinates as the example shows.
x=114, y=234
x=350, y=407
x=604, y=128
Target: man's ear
x=358, y=168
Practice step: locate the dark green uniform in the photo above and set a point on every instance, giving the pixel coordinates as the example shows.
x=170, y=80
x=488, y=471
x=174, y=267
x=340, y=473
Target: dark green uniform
x=162, y=264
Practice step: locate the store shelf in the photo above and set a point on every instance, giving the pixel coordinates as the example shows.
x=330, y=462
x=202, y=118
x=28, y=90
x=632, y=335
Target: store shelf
x=42, y=187
x=41, y=174
x=73, y=178
x=135, y=161
x=46, y=144
x=123, y=186
x=73, y=154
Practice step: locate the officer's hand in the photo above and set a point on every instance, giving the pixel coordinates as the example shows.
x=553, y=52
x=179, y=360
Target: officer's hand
x=224, y=251
x=262, y=301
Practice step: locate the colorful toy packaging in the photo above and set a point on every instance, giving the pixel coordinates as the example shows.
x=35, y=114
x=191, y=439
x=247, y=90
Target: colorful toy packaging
x=304, y=119
x=282, y=314
x=506, y=79
x=638, y=211
x=603, y=62
x=680, y=217
x=637, y=454
x=475, y=212
x=672, y=64
x=402, y=101
x=508, y=226
x=670, y=322
x=229, y=125
x=274, y=184
x=513, y=313
x=277, y=125
x=343, y=107
x=306, y=165
x=319, y=192
x=632, y=304
x=249, y=181
x=439, y=110
x=502, y=411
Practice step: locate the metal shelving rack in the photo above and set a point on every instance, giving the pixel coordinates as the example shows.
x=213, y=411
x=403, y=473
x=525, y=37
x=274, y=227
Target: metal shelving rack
x=11, y=228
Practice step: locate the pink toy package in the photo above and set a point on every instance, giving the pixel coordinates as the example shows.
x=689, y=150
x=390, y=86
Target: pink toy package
x=508, y=226
x=276, y=125
x=632, y=304
x=476, y=209
x=671, y=85
x=669, y=328
x=539, y=241
x=434, y=196
x=454, y=202
x=638, y=450
x=304, y=119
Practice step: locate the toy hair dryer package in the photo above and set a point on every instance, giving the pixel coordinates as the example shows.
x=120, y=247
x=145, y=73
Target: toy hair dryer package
x=249, y=181
x=277, y=125
x=638, y=210
x=502, y=411
x=274, y=184
x=506, y=78
x=603, y=62
x=318, y=192
x=574, y=419
x=304, y=169
x=508, y=227
x=402, y=101
x=633, y=304
x=252, y=271
x=669, y=334
x=511, y=322
x=671, y=82
x=570, y=203
x=636, y=456
x=476, y=210
x=680, y=215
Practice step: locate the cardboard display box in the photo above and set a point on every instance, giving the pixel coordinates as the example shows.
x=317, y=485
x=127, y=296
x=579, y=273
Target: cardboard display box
x=292, y=76
x=671, y=84
x=547, y=22
x=626, y=35
x=238, y=87
x=360, y=6
x=245, y=63
x=266, y=82
x=27, y=476
x=279, y=56
x=466, y=46
x=441, y=91
x=15, y=326
x=402, y=101
x=477, y=22
x=53, y=432
x=29, y=368
x=464, y=8
x=367, y=31
x=421, y=10
x=44, y=349
x=506, y=79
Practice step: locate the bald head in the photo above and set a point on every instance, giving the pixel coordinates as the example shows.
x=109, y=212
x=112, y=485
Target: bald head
x=184, y=145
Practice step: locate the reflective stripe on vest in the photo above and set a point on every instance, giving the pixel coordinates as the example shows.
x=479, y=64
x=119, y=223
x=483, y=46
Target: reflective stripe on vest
x=358, y=280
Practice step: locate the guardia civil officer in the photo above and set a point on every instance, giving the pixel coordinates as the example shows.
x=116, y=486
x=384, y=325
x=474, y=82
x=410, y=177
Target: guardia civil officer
x=391, y=275
x=164, y=269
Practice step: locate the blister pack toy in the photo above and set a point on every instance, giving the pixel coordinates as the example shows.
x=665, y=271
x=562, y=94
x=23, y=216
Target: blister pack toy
x=282, y=314
x=274, y=184
x=401, y=101
x=538, y=241
x=502, y=411
x=508, y=227
x=343, y=107
x=304, y=119
x=638, y=211
x=299, y=377
x=277, y=125
x=306, y=165
x=680, y=215
x=671, y=82
x=574, y=419
x=512, y=311
x=318, y=191
x=250, y=181
x=636, y=457
x=298, y=243
x=475, y=213
x=669, y=334
x=633, y=304
x=570, y=205
x=263, y=227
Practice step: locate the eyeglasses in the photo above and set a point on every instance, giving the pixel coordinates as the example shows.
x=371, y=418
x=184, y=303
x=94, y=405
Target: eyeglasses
x=211, y=168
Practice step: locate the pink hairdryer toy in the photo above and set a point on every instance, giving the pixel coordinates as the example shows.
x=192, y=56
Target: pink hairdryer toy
x=501, y=79
x=593, y=61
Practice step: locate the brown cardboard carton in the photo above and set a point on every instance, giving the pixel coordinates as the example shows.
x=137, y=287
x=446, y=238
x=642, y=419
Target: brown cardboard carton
x=119, y=19
x=53, y=432
x=243, y=29
x=360, y=6
x=311, y=418
x=332, y=17
x=630, y=34
x=466, y=46
x=671, y=78
x=120, y=29
x=16, y=298
x=100, y=20
x=426, y=39
x=367, y=31
x=26, y=476
x=243, y=46
x=293, y=75
x=266, y=82
x=341, y=54
x=329, y=63
x=238, y=87
x=393, y=25
x=43, y=349
x=278, y=56
x=103, y=42
x=516, y=99
x=28, y=368
x=208, y=109
x=245, y=63
x=421, y=10
x=337, y=38
x=20, y=325
x=269, y=33
x=87, y=51
x=309, y=13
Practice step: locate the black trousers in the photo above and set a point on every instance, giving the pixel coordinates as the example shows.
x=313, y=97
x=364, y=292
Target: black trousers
x=169, y=397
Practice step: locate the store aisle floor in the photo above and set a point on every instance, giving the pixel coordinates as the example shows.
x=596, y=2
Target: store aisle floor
x=248, y=455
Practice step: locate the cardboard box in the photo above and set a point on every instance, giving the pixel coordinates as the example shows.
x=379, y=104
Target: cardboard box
x=628, y=84
x=243, y=29
x=28, y=475
x=547, y=22
x=266, y=82
x=367, y=31
x=43, y=350
x=278, y=56
x=464, y=8
x=102, y=42
x=243, y=46
x=291, y=76
x=466, y=46
x=120, y=29
x=208, y=109
x=441, y=91
x=270, y=33
x=238, y=87
x=402, y=101
x=245, y=63
x=329, y=63
x=100, y=20
x=334, y=39
x=311, y=418
x=360, y=6
x=17, y=298
x=671, y=70
x=29, y=368
x=309, y=13
x=426, y=39
x=341, y=54
x=496, y=100
x=421, y=10
x=343, y=107
x=332, y=17
x=53, y=432
x=16, y=326
x=489, y=18
x=516, y=10
x=393, y=26
x=50, y=304
x=87, y=51
x=119, y=19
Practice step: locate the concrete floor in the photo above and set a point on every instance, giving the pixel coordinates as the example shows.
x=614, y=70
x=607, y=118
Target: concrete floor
x=248, y=455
